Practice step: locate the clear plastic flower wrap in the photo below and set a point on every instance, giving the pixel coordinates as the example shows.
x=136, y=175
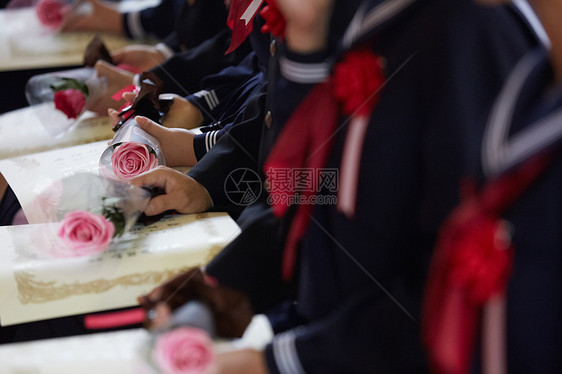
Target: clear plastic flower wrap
x=185, y=346
x=131, y=152
x=88, y=211
x=52, y=13
x=70, y=93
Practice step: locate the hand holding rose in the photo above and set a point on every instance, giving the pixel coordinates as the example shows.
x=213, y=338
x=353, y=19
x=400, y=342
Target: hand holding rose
x=182, y=193
x=182, y=113
x=175, y=144
x=231, y=310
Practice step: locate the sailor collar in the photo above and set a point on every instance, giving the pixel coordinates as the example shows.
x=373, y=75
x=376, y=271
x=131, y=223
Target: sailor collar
x=504, y=145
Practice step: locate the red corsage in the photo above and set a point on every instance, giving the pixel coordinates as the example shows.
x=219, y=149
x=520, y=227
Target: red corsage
x=274, y=20
x=481, y=262
x=357, y=81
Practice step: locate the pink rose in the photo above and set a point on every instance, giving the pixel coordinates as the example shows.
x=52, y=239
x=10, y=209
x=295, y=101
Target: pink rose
x=131, y=159
x=71, y=102
x=185, y=350
x=50, y=12
x=85, y=233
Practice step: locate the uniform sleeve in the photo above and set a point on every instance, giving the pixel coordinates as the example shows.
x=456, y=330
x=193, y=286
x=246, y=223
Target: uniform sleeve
x=155, y=21
x=228, y=90
x=237, y=148
x=183, y=73
x=340, y=344
x=197, y=23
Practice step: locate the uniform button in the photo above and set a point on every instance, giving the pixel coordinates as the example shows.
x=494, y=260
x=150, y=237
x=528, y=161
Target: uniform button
x=268, y=120
x=273, y=47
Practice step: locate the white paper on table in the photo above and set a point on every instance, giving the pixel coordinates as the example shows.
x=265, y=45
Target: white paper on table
x=21, y=131
x=35, y=287
x=30, y=175
x=22, y=37
x=111, y=352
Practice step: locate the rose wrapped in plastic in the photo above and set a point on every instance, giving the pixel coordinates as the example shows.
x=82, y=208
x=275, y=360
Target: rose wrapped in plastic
x=185, y=350
x=51, y=12
x=86, y=233
x=87, y=213
x=131, y=159
x=131, y=152
x=70, y=92
x=71, y=102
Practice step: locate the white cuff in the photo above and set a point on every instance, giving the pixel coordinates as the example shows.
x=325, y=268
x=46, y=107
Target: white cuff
x=135, y=25
x=210, y=139
x=210, y=97
x=166, y=51
x=304, y=73
x=285, y=354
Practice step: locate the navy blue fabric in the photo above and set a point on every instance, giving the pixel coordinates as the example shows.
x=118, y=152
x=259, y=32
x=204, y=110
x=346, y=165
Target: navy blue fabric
x=534, y=329
x=9, y=205
x=183, y=72
x=447, y=61
x=157, y=21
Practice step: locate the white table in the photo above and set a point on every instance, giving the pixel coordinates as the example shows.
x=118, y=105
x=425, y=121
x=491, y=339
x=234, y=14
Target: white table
x=24, y=44
x=108, y=353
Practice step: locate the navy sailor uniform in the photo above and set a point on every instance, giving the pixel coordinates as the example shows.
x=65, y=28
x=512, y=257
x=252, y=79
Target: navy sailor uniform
x=356, y=296
x=178, y=24
x=526, y=121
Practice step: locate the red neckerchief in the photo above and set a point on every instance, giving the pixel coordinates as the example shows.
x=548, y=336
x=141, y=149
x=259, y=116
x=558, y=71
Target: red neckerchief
x=241, y=16
x=307, y=137
x=471, y=264
x=240, y=20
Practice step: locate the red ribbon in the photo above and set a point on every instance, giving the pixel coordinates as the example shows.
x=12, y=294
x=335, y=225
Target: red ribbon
x=240, y=20
x=305, y=141
x=307, y=137
x=472, y=262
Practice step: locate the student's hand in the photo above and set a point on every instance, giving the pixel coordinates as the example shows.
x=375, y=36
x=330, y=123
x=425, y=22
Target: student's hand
x=307, y=23
x=103, y=17
x=182, y=114
x=144, y=57
x=181, y=192
x=175, y=144
x=240, y=361
x=230, y=308
x=116, y=79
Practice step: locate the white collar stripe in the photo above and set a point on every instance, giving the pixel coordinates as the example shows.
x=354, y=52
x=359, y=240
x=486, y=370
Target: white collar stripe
x=533, y=21
x=502, y=115
x=542, y=134
x=360, y=24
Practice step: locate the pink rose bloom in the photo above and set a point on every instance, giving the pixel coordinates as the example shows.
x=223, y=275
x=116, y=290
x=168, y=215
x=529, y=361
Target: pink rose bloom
x=50, y=12
x=131, y=159
x=85, y=233
x=71, y=102
x=185, y=350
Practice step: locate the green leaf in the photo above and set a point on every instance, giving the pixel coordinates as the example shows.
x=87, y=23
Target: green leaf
x=115, y=215
x=69, y=83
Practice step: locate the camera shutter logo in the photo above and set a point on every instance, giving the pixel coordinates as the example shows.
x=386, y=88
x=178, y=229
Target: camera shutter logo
x=243, y=186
